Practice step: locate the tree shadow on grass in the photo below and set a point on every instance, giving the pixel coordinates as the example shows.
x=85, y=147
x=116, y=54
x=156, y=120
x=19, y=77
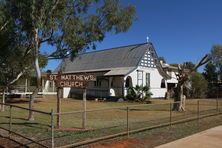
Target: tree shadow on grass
x=20, y=101
x=28, y=124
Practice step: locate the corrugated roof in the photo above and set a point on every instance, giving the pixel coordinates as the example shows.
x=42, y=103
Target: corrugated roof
x=119, y=71
x=116, y=61
x=126, y=56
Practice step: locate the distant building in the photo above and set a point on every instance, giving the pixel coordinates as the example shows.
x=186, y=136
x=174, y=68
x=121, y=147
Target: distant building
x=119, y=68
x=27, y=84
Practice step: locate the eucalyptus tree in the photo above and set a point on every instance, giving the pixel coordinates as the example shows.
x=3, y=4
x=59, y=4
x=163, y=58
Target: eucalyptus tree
x=15, y=61
x=70, y=26
x=8, y=51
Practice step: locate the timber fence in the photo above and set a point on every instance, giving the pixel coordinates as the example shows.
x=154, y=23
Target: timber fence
x=84, y=127
x=28, y=133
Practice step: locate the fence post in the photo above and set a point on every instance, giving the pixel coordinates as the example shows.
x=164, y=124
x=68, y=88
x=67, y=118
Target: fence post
x=198, y=112
x=10, y=121
x=52, y=129
x=217, y=105
x=59, y=95
x=127, y=120
x=170, y=114
x=84, y=110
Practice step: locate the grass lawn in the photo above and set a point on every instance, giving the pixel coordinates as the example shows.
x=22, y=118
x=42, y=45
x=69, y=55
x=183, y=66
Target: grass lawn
x=48, y=103
x=99, y=123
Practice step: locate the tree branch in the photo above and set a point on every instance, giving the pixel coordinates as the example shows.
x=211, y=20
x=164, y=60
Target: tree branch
x=4, y=25
x=203, y=61
x=48, y=39
x=54, y=6
x=16, y=79
x=51, y=11
x=56, y=55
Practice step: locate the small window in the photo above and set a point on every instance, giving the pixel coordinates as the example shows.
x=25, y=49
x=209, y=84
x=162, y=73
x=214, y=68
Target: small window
x=148, y=79
x=97, y=83
x=140, y=78
x=163, y=85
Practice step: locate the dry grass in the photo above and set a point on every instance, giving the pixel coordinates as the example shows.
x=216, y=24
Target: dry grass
x=101, y=122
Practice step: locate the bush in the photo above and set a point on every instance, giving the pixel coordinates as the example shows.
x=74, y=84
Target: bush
x=139, y=93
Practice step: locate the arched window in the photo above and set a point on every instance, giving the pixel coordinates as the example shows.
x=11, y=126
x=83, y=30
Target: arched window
x=128, y=82
x=163, y=84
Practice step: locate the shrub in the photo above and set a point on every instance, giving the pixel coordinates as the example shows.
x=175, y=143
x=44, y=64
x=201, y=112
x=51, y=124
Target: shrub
x=139, y=93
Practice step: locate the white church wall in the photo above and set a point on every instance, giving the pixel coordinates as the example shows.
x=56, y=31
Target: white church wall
x=155, y=81
x=66, y=91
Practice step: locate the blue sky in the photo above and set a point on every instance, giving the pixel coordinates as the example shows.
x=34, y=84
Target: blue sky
x=181, y=30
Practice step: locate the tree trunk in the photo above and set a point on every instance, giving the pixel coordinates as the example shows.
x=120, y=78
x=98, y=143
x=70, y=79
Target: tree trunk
x=37, y=71
x=3, y=100
x=179, y=99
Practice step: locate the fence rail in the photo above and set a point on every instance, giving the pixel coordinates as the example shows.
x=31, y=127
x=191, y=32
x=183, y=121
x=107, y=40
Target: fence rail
x=16, y=121
x=100, y=124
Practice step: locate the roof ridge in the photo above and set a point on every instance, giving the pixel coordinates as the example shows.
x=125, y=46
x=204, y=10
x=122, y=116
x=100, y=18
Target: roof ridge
x=113, y=48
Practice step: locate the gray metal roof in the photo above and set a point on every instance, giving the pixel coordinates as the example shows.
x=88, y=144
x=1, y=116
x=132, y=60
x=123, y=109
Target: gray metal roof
x=126, y=56
x=116, y=61
x=119, y=71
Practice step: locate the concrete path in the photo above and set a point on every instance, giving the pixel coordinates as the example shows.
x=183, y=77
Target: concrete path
x=211, y=138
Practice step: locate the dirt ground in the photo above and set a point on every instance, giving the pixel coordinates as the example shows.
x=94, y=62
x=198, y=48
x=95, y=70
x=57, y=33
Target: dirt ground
x=127, y=143
x=207, y=139
x=6, y=143
x=132, y=142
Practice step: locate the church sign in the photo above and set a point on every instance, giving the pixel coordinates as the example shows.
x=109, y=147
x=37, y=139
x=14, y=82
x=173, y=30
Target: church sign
x=71, y=80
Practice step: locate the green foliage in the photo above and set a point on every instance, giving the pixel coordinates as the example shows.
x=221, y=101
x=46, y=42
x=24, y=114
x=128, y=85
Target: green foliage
x=12, y=61
x=14, y=57
x=70, y=25
x=189, y=65
x=162, y=59
x=139, y=93
x=216, y=52
x=198, y=85
x=48, y=71
x=43, y=60
x=174, y=64
x=213, y=70
x=210, y=72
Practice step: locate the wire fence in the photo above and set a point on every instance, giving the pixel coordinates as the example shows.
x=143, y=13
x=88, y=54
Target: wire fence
x=83, y=127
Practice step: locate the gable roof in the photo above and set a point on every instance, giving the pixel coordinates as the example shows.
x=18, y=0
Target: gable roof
x=118, y=61
x=125, y=56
